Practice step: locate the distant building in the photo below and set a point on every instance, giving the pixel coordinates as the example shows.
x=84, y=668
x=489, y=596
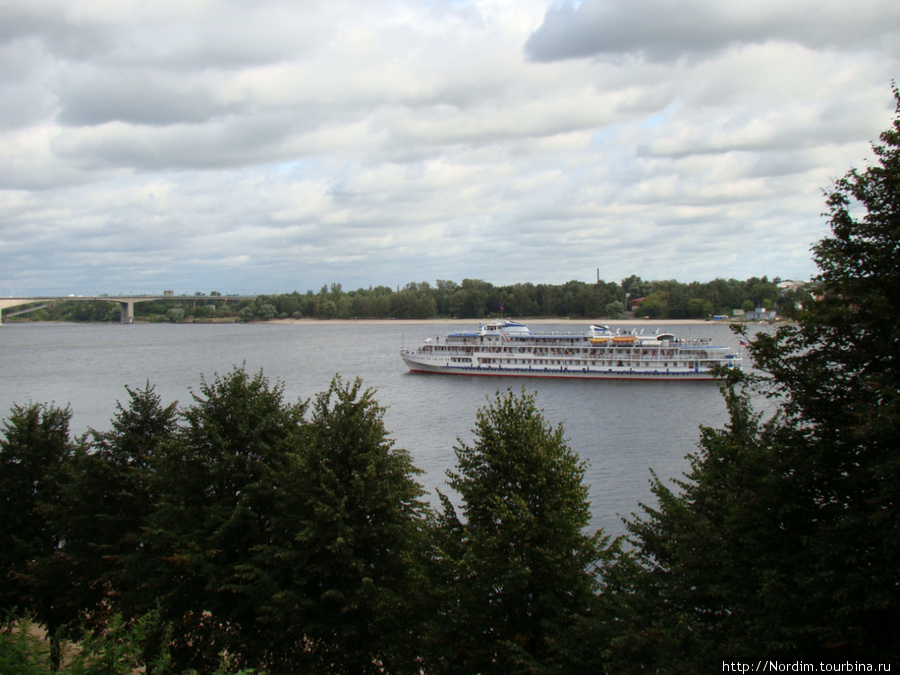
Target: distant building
x=760, y=314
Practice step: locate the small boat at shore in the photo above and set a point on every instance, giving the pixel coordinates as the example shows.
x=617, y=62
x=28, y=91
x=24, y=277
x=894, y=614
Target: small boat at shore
x=511, y=349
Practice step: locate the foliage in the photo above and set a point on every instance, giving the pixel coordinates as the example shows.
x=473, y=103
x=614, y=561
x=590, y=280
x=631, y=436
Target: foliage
x=21, y=649
x=290, y=543
x=521, y=571
x=473, y=298
x=33, y=454
x=267, y=311
x=108, y=504
x=614, y=310
x=175, y=315
x=359, y=539
x=837, y=376
x=117, y=650
x=715, y=561
x=214, y=487
x=784, y=539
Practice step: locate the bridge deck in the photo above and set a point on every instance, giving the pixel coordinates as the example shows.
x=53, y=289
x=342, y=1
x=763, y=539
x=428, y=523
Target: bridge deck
x=126, y=303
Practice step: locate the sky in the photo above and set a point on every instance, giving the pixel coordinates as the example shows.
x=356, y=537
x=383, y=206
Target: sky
x=268, y=146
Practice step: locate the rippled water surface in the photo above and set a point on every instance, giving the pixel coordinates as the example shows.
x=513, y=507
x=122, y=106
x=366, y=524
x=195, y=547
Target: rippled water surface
x=622, y=428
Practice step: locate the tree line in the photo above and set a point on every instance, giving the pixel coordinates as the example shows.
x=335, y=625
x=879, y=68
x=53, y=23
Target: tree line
x=247, y=533
x=293, y=536
x=470, y=299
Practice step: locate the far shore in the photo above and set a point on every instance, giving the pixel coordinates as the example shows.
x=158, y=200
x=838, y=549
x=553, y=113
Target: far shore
x=456, y=322
x=442, y=322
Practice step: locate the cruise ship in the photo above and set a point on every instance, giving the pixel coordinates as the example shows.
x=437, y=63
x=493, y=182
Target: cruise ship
x=509, y=348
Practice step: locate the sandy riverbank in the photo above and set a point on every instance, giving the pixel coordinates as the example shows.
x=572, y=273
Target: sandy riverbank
x=532, y=322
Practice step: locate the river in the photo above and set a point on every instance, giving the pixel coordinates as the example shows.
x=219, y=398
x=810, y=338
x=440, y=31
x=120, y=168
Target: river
x=621, y=428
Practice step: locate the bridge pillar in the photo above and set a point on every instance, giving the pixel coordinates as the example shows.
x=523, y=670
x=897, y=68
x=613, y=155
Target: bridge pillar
x=126, y=311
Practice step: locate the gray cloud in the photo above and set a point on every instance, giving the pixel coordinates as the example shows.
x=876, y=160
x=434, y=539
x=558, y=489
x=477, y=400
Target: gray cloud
x=279, y=145
x=670, y=29
x=138, y=97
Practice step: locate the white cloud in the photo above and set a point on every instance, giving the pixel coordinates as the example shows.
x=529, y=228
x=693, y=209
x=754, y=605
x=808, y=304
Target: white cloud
x=276, y=145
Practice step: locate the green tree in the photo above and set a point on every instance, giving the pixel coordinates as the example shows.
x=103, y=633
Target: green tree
x=636, y=287
x=361, y=596
x=412, y=303
x=784, y=540
x=116, y=650
x=216, y=485
x=175, y=315
x=327, y=310
x=714, y=571
x=267, y=311
x=655, y=305
x=614, y=310
x=521, y=572
x=107, y=504
x=837, y=373
x=34, y=452
x=294, y=544
x=699, y=308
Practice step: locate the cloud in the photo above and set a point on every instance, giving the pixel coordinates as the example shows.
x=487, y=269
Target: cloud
x=140, y=97
x=280, y=145
x=662, y=30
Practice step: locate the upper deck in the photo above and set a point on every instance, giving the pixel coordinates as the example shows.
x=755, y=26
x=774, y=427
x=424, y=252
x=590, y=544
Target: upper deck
x=511, y=333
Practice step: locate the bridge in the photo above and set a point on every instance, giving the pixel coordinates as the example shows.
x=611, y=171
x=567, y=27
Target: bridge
x=126, y=303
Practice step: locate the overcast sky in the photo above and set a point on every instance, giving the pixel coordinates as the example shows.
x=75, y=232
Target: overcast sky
x=253, y=146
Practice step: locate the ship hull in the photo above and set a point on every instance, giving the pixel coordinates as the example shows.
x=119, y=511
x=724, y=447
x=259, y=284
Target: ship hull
x=416, y=366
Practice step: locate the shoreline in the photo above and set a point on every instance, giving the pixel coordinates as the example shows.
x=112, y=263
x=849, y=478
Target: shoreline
x=427, y=322
x=536, y=322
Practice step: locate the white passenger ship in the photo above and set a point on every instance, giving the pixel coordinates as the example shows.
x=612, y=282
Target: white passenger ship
x=509, y=348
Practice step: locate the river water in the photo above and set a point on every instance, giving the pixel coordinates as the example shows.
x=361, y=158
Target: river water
x=621, y=428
